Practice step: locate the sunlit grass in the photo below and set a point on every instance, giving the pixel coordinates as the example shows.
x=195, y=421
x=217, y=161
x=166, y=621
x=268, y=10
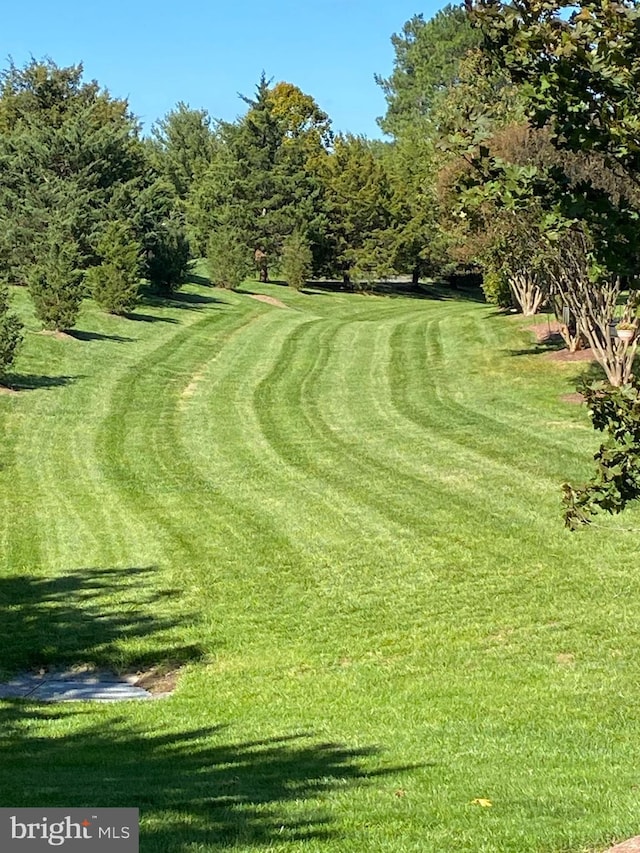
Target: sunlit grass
x=342, y=519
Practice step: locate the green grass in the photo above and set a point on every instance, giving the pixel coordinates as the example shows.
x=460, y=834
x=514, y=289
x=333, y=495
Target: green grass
x=342, y=519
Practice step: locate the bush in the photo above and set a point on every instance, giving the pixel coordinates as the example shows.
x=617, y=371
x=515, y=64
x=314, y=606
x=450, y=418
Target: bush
x=229, y=259
x=167, y=256
x=496, y=289
x=10, y=333
x=114, y=283
x=55, y=282
x=297, y=260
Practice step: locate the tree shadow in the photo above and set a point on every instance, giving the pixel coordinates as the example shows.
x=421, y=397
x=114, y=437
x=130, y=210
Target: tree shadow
x=594, y=372
x=80, y=335
x=194, y=278
x=392, y=289
x=195, y=789
x=33, y=381
x=81, y=618
x=192, y=301
x=552, y=343
x=137, y=317
x=439, y=291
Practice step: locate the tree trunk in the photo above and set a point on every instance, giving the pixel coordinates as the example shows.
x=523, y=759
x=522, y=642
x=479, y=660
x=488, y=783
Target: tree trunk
x=415, y=276
x=527, y=292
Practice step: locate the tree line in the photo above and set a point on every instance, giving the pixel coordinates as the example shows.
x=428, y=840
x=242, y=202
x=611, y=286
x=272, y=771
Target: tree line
x=512, y=149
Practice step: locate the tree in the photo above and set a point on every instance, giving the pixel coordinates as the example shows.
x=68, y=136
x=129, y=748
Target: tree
x=10, y=333
x=358, y=197
x=297, y=260
x=228, y=258
x=426, y=65
x=114, y=283
x=184, y=145
x=157, y=223
x=66, y=146
x=579, y=65
x=55, y=279
x=264, y=182
x=167, y=255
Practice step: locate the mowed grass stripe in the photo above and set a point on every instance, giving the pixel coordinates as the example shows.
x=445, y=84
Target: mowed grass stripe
x=294, y=477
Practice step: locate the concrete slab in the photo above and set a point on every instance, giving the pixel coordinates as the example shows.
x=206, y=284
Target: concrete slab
x=20, y=687
x=95, y=691
x=74, y=686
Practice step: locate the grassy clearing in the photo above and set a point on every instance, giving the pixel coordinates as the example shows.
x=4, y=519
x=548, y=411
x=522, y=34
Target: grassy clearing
x=343, y=519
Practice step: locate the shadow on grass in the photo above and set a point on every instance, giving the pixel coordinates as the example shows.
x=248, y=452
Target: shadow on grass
x=32, y=381
x=594, y=372
x=82, y=617
x=80, y=335
x=552, y=343
x=137, y=317
x=192, y=301
x=436, y=290
x=195, y=789
x=194, y=278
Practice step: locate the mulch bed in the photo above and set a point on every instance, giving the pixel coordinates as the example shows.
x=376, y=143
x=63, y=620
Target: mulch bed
x=270, y=300
x=632, y=845
x=545, y=331
x=156, y=680
x=549, y=332
x=576, y=398
x=565, y=355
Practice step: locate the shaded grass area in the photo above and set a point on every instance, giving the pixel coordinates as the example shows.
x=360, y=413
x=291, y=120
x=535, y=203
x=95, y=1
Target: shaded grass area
x=345, y=520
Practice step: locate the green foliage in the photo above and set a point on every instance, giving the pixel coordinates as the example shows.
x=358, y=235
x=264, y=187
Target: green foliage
x=616, y=412
x=114, y=283
x=427, y=60
x=55, y=280
x=183, y=147
x=359, y=204
x=578, y=66
x=66, y=148
x=264, y=182
x=297, y=260
x=228, y=258
x=10, y=333
x=495, y=286
x=167, y=255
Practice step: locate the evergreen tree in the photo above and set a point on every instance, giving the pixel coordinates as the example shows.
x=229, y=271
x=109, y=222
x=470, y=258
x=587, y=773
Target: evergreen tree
x=297, y=260
x=427, y=64
x=228, y=258
x=264, y=182
x=114, y=283
x=65, y=148
x=359, y=197
x=55, y=279
x=183, y=147
x=167, y=255
x=10, y=333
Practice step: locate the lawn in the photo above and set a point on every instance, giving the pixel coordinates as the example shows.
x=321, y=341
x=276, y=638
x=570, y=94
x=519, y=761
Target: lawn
x=341, y=519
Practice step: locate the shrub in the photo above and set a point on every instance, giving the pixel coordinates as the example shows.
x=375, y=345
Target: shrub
x=496, y=289
x=297, y=260
x=228, y=258
x=10, y=333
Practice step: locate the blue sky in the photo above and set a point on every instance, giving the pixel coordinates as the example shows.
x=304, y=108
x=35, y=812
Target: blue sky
x=158, y=53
